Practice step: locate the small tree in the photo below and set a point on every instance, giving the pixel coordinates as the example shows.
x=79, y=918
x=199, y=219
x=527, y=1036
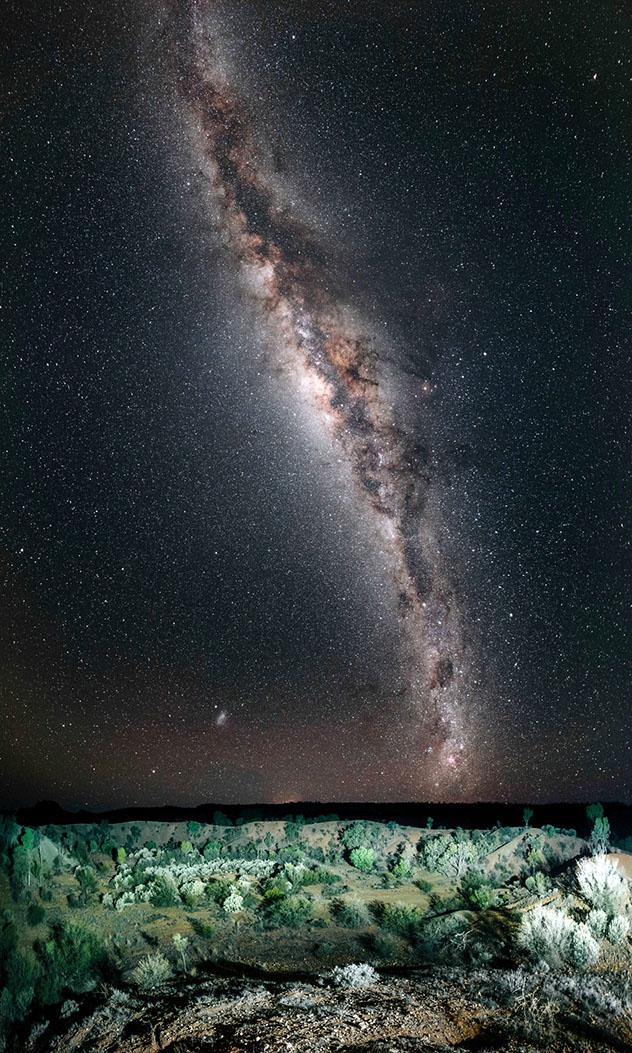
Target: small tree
x=594, y=811
x=527, y=816
x=599, y=839
x=356, y=835
x=181, y=943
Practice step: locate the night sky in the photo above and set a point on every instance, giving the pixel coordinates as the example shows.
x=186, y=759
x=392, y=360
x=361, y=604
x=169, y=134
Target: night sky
x=316, y=396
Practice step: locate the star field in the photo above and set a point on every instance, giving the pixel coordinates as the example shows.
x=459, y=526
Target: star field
x=317, y=433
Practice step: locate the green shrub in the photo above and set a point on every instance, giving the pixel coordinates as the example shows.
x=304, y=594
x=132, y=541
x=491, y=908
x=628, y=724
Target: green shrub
x=478, y=893
x=291, y=912
x=164, y=892
x=538, y=883
x=350, y=913
x=19, y=975
x=319, y=876
x=218, y=890
x=74, y=958
x=203, y=928
x=384, y=944
x=362, y=859
x=35, y=914
x=400, y=919
x=213, y=850
x=357, y=835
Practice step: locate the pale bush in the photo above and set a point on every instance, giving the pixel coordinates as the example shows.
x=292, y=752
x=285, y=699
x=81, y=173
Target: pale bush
x=152, y=971
x=619, y=929
x=362, y=975
x=597, y=922
x=602, y=884
x=234, y=901
x=552, y=937
x=125, y=900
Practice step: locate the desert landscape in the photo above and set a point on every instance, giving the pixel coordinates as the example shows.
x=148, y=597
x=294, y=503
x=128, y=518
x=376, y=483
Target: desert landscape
x=297, y=934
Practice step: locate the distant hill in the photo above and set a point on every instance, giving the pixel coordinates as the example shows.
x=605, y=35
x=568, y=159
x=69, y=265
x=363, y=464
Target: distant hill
x=479, y=815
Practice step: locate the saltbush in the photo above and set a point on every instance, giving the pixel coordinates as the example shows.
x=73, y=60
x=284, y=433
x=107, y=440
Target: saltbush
x=362, y=975
x=552, y=937
x=618, y=929
x=151, y=972
x=601, y=884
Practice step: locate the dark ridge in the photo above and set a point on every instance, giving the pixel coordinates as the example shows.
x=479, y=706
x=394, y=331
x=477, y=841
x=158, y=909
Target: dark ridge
x=478, y=815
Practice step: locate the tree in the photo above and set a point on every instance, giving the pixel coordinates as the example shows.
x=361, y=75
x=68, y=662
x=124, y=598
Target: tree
x=527, y=816
x=594, y=811
x=21, y=871
x=87, y=879
x=181, y=943
x=599, y=839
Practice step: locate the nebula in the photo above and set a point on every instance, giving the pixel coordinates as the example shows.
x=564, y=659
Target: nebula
x=314, y=335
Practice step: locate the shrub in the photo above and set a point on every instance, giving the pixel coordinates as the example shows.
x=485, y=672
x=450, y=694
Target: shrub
x=362, y=975
x=291, y=912
x=213, y=850
x=602, y=885
x=151, y=972
x=400, y=919
x=319, y=876
x=35, y=914
x=357, y=835
x=538, y=883
x=362, y=859
x=385, y=944
x=350, y=913
x=74, y=958
x=597, y=922
x=20, y=975
x=203, y=928
x=234, y=901
x=551, y=936
x=484, y=897
x=478, y=893
x=163, y=892
x=618, y=929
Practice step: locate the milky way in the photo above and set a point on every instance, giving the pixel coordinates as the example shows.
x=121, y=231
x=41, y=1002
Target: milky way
x=316, y=340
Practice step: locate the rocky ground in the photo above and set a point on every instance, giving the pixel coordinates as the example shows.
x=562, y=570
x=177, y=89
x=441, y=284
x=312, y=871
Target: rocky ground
x=439, y=1010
